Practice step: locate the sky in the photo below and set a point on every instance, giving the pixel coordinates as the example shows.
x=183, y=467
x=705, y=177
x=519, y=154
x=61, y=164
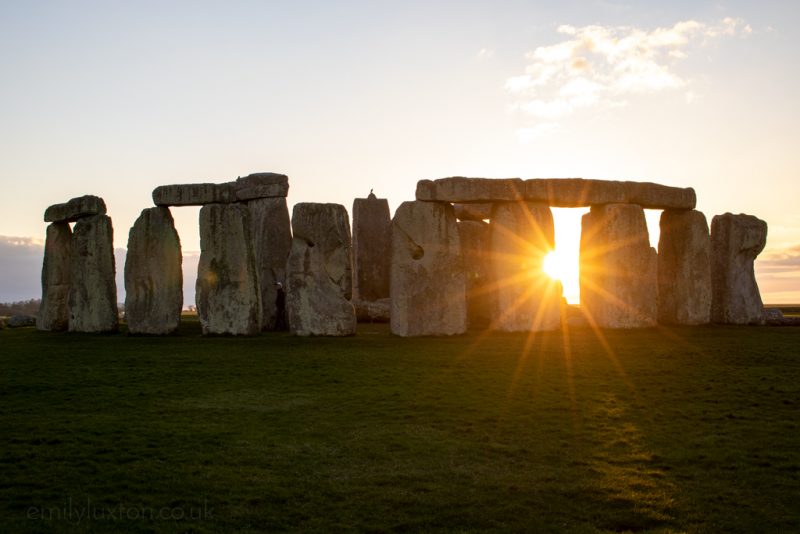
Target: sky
x=115, y=98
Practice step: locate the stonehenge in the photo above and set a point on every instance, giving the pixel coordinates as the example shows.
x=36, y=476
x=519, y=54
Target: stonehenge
x=467, y=253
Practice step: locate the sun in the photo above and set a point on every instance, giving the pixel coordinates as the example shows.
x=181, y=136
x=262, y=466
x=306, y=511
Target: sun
x=555, y=266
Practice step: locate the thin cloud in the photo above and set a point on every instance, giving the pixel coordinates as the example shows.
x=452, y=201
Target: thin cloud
x=601, y=66
x=484, y=54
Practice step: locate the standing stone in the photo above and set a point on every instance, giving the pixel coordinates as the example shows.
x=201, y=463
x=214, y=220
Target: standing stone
x=427, y=273
x=474, y=237
x=618, y=268
x=153, y=276
x=54, y=310
x=473, y=212
x=93, y=288
x=319, y=272
x=372, y=242
x=684, y=268
x=521, y=235
x=272, y=239
x=736, y=240
x=227, y=292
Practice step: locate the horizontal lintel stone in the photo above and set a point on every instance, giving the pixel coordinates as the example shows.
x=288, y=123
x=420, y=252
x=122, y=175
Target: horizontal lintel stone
x=254, y=186
x=74, y=209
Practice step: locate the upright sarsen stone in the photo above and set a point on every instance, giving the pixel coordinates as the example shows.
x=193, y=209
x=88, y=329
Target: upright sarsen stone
x=372, y=234
x=153, y=276
x=684, y=268
x=227, y=293
x=526, y=299
x=54, y=310
x=93, y=288
x=272, y=239
x=480, y=289
x=319, y=272
x=736, y=241
x=427, y=273
x=618, y=268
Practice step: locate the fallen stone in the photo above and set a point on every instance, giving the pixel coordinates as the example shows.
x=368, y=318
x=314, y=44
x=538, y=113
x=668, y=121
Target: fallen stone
x=227, y=294
x=319, y=272
x=775, y=317
x=684, y=268
x=193, y=194
x=372, y=242
x=54, y=310
x=618, y=268
x=459, y=189
x=74, y=209
x=526, y=299
x=373, y=311
x=736, y=241
x=427, y=273
x=272, y=240
x=19, y=321
x=261, y=185
x=93, y=288
x=473, y=212
x=480, y=290
x=153, y=275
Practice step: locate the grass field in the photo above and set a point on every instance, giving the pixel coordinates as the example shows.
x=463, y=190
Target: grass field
x=688, y=429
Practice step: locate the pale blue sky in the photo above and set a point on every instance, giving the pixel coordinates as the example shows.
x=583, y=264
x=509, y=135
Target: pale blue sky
x=115, y=98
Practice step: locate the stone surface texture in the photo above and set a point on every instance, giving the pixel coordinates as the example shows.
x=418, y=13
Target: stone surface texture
x=460, y=189
x=74, y=209
x=93, y=288
x=427, y=273
x=153, y=275
x=684, y=268
x=736, y=241
x=618, y=268
x=373, y=311
x=54, y=310
x=480, y=290
x=227, y=294
x=526, y=299
x=473, y=212
x=253, y=186
x=372, y=243
x=261, y=185
x=272, y=240
x=319, y=272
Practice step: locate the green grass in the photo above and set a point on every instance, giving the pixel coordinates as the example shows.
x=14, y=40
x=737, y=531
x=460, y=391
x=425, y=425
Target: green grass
x=688, y=429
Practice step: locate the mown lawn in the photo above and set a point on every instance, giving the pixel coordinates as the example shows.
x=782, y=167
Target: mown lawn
x=687, y=429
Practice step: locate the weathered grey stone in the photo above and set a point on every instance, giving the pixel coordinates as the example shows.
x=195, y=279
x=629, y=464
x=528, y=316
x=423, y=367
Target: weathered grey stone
x=473, y=212
x=574, y=192
x=373, y=311
x=684, y=268
x=261, y=185
x=372, y=243
x=480, y=289
x=227, y=294
x=153, y=276
x=19, y=321
x=618, y=268
x=521, y=235
x=74, y=209
x=427, y=272
x=193, y=194
x=54, y=310
x=460, y=189
x=93, y=288
x=319, y=272
x=736, y=240
x=272, y=240
x=775, y=317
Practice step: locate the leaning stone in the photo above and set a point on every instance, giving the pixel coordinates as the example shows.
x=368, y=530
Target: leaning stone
x=526, y=299
x=372, y=242
x=193, y=194
x=736, y=241
x=473, y=212
x=153, y=276
x=618, y=268
x=272, y=240
x=480, y=290
x=427, y=273
x=19, y=321
x=373, y=311
x=76, y=208
x=684, y=268
x=261, y=185
x=93, y=288
x=459, y=189
x=319, y=272
x=54, y=310
x=574, y=192
x=227, y=293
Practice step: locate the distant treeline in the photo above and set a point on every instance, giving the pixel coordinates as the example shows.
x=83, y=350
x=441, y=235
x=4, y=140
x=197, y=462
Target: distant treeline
x=23, y=307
